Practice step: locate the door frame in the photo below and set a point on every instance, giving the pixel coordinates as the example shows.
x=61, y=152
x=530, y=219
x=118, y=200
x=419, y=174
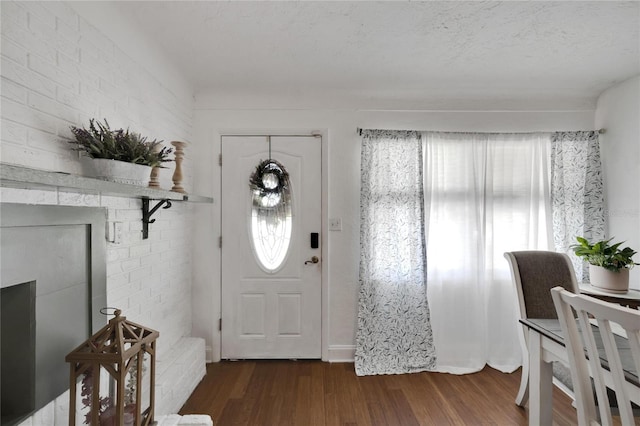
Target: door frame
x=322, y=134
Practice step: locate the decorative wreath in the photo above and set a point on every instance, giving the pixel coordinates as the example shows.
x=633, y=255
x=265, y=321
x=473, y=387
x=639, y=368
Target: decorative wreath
x=269, y=177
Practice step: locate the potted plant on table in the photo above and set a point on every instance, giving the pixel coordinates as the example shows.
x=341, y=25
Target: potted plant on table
x=609, y=265
x=119, y=155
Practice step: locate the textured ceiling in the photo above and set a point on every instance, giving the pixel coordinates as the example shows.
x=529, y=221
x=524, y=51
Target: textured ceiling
x=410, y=55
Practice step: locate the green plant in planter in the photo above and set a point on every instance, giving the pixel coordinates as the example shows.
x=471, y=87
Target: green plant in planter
x=603, y=254
x=99, y=141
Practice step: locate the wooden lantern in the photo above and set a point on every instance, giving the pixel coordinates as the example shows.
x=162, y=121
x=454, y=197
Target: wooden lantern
x=117, y=353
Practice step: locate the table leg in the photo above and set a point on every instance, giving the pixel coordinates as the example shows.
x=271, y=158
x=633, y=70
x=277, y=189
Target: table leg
x=540, y=385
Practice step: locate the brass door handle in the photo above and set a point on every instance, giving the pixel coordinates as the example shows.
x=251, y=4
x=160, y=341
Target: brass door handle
x=314, y=259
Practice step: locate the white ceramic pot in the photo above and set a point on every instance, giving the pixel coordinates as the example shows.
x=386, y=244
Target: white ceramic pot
x=117, y=171
x=606, y=280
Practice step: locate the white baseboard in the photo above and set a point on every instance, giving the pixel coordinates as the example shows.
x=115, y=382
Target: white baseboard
x=342, y=353
x=208, y=354
x=337, y=353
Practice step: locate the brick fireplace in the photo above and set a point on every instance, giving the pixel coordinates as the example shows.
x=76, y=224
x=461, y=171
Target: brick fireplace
x=150, y=280
x=53, y=279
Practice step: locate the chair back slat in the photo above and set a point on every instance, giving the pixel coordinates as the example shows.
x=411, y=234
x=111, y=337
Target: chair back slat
x=634, y=344
x=589, y=341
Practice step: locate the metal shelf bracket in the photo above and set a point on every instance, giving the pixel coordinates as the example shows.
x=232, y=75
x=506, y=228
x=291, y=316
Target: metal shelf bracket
x=146, y=214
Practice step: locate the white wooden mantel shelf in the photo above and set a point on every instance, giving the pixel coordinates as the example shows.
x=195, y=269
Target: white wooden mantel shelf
x=13, y=176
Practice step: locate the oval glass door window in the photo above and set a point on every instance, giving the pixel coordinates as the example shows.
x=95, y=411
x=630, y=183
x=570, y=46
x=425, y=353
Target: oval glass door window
x=271, y=214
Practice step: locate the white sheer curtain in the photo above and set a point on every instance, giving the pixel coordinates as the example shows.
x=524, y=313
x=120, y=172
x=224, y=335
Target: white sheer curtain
x=484, y=194
x=394, y=333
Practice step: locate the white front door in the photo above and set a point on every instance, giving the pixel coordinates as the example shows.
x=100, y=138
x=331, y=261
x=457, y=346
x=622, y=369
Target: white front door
x=271, y=289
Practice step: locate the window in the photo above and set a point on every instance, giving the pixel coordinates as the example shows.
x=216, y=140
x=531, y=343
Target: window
x=271, y=215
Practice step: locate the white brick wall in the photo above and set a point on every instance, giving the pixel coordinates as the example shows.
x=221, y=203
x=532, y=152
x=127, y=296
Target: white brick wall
x=58, y=70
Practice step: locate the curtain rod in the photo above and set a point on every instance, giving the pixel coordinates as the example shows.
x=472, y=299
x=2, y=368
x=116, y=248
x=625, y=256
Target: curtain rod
x=600, y=131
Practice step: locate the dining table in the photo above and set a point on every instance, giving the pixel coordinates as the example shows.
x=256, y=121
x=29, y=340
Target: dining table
x=630, y=298
x=546, y=345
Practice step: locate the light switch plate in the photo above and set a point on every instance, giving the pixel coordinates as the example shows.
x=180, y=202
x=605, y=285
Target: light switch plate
x=335, y=224
x=114, y=232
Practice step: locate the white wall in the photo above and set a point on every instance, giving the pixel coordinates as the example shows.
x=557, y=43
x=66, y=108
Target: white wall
x=58, y=70
x=341, y=168
x=618, y=112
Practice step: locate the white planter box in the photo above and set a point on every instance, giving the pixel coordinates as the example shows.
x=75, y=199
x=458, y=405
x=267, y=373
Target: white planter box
x=116, y=171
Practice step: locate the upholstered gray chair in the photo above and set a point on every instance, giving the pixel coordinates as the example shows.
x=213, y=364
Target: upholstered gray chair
x=534, y=274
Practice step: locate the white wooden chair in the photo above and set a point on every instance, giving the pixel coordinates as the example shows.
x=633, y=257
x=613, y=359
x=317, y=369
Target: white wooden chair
x=534, y=274
x=604, y=314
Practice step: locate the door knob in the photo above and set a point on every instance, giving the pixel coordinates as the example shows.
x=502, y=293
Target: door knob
x=314, y=259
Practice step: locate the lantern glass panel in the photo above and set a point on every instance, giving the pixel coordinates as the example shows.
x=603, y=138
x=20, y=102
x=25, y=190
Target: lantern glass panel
x=84, y=397
x=137, y=395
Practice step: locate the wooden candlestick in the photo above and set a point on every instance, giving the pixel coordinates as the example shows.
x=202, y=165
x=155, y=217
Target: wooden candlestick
x=154, y=180
x=177, y=174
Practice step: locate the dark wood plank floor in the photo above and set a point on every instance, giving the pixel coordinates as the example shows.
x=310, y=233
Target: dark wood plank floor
x=319, y=393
